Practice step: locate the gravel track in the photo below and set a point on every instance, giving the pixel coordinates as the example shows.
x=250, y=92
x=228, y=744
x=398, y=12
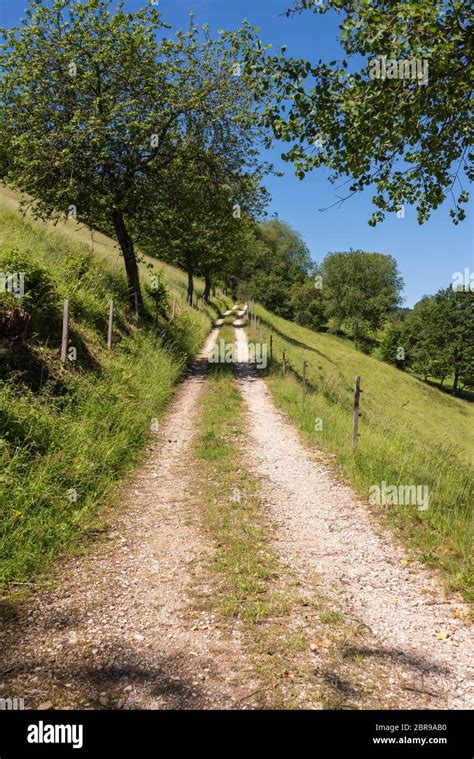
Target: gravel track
x=126, y=625
x=322, y=526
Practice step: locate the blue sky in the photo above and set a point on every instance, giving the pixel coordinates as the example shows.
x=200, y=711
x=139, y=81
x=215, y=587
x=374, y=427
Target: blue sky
x=427, y=255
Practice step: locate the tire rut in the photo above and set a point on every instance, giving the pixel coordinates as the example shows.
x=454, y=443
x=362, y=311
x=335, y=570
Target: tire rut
x=323, y=527
x=126, y=625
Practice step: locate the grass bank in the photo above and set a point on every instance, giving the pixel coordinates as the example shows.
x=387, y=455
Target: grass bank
x=68, y=434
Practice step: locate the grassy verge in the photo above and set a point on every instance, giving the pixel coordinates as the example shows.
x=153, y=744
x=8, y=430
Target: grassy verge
x=245, y=556
x=410, y=434
x=69, y=433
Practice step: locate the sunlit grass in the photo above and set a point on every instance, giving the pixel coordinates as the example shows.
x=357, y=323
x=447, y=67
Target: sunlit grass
x=68, y=434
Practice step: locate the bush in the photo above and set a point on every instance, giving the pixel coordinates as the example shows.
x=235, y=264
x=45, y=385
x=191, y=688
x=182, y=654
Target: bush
x=156, y=290
x=26, y=288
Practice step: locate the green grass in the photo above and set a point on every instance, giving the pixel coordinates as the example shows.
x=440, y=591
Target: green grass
x=244, y=557
x=331, y=617
x=69, y=434
x=410, y=434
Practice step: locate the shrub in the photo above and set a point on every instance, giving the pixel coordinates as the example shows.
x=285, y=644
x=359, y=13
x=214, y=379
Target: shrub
x=37, y=304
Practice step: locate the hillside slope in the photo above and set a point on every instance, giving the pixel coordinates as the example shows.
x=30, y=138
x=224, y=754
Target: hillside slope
x=69, y=433
x=410, y=434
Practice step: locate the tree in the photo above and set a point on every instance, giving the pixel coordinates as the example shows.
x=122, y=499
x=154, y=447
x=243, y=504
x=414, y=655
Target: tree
x=437, y=338
x=399, y=120
x=424, y=341
x=393, y=345
x=204, y=206
x=360, y=289
x=94, y=103
x=307, y=305
x=453, y=323
x=278, y=260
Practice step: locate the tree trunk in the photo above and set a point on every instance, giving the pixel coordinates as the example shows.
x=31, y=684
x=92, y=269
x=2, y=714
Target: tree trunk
x=190, y=270
x=207, y=286
x=131, y=266
x=456, y=381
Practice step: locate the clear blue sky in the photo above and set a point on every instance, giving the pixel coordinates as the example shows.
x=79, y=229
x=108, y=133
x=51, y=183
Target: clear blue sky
x=427, y=255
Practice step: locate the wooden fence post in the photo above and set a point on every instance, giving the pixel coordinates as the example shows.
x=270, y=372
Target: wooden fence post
x=305, y=369
x=355, y=415
x=64, y=341
x=271, y=347
x=111, y=319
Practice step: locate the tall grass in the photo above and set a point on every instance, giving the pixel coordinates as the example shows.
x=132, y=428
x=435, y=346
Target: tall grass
x=410, y=434
x=68, y=434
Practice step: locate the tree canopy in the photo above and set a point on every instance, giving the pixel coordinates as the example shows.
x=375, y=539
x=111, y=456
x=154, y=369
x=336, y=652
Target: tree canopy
x=96, y=105
x=393, y=115
x=278, y=259
x=436, y=339
x=360, y=289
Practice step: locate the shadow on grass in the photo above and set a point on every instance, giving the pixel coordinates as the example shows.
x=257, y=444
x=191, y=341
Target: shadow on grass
x=464, y=395
x=298, y=343
x=27, y=368
x=419, y=662
x=157, y=674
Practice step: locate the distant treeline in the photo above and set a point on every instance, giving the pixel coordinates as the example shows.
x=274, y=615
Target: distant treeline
x=358, y=294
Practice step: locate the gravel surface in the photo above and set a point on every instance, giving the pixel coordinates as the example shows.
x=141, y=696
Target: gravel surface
x=322, y=526
x=126, y=626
